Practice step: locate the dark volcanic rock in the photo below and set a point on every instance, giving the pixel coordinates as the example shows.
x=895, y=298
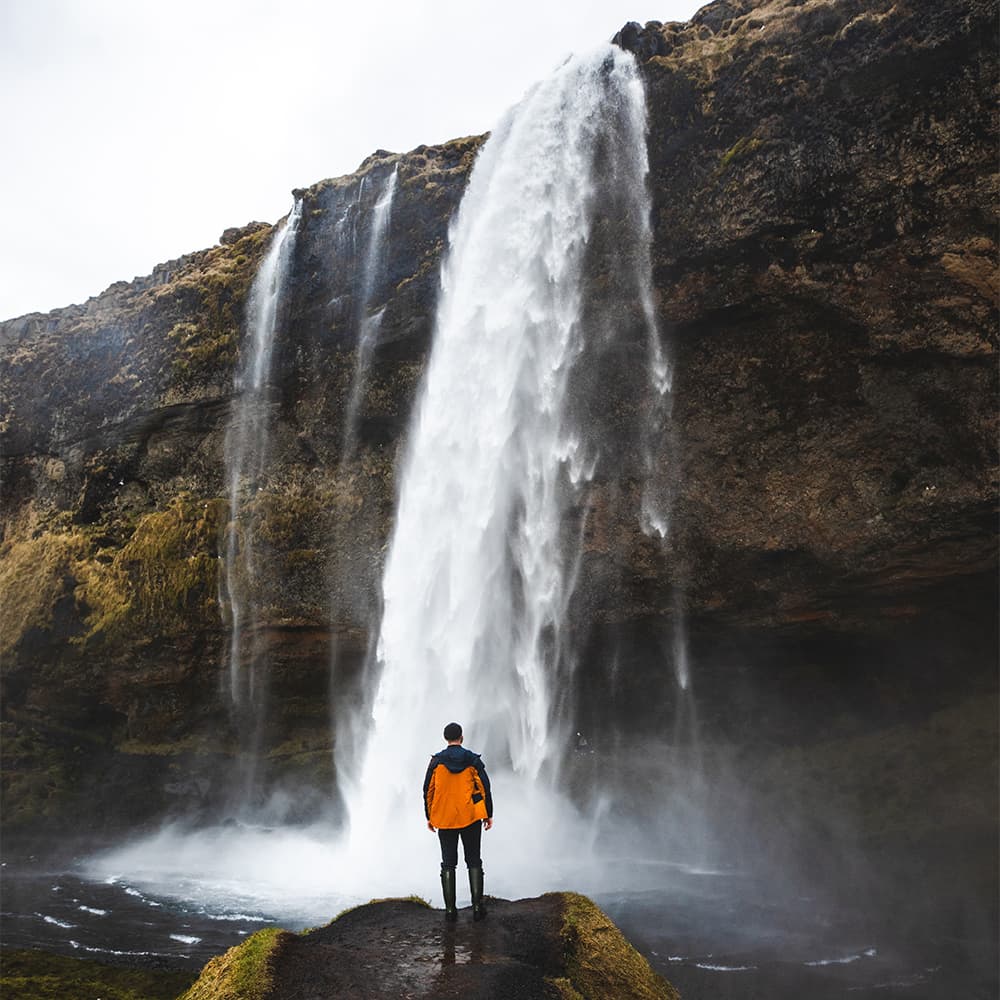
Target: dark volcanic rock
x=556, y=946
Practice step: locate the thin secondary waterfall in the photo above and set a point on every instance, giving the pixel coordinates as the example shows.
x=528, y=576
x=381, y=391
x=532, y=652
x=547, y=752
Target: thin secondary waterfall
x=367, y=325
x=246, y=455
x=480, y=568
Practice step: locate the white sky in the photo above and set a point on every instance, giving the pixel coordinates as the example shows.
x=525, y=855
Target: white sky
x=136, y=131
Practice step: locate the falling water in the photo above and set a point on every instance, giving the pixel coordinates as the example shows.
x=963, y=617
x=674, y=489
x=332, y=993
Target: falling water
x=367, y=325
x=246, y=455
x=481, y=565
x=503, y=456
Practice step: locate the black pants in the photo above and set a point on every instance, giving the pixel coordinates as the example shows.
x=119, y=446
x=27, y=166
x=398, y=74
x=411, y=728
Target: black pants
x=471, y=835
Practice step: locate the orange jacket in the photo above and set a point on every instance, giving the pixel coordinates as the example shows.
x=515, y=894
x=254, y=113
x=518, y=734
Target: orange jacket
x=456, y=789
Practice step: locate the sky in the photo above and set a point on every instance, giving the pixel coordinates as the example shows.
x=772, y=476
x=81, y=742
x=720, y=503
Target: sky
x=136, y=131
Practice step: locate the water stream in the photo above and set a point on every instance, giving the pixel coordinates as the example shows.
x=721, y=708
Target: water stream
x=247, y=450
x=367, y=323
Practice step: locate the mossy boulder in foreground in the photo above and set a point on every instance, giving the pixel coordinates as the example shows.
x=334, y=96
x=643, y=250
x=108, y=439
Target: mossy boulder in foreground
x=559, y=946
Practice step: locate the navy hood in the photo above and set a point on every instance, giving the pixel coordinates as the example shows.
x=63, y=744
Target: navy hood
x=456, y=759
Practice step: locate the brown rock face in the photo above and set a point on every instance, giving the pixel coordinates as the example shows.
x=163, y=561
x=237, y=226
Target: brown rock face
x=824, y=181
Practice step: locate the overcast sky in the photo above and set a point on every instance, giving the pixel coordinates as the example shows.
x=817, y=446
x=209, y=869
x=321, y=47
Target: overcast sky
x=137, y=131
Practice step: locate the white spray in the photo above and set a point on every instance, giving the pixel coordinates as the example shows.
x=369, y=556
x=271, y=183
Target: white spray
x=479, y=572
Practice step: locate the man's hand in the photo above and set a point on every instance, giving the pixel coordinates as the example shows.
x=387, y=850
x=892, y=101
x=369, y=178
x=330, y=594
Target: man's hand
x=431, y=827
x=488, y=823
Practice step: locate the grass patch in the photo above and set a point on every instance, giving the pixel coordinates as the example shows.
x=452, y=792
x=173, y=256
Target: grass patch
x=390, y=899
x=245, y=972
x=599, y=961
x=39, y=975
x=739, y=151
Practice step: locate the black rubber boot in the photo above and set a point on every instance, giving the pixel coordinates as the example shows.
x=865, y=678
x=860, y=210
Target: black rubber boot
x=448, y=889
x=476, y=888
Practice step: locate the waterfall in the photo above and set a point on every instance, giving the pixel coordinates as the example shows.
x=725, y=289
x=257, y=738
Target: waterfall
x=372, y=270
x=482, y=559
x=246, y=457
x=546, y=286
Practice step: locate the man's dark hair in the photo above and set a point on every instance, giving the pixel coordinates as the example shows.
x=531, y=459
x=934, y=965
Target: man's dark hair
x=453, y=731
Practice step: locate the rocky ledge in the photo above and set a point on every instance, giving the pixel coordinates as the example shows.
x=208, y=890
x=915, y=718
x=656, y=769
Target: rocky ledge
x=559, y=945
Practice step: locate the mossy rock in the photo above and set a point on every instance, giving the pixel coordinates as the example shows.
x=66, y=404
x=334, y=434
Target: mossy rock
x=166, y=573
x=164, y=576
x=599, y=961
x=34, y=778
x=218, y=285
x=740, y=150
x=245, y=972
x=38, y=975
x=559, y=944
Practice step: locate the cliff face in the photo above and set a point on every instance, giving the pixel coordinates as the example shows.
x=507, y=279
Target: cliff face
x=823, y=179
x=114, y=496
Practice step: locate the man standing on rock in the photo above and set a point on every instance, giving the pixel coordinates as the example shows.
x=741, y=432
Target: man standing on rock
x=458, y=803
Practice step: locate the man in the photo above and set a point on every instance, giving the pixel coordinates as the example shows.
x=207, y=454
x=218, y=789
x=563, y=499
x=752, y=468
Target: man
x=458, y=803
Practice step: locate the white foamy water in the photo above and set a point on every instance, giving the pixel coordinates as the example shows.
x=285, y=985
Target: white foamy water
x=304, y=877
x=114, y=951
x=479, y=573
x=844, y=960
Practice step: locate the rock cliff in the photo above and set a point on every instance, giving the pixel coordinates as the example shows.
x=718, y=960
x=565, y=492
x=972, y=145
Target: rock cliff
x=824, y=185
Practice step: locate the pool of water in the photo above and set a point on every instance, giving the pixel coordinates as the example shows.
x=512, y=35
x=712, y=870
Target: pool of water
x=713, y=932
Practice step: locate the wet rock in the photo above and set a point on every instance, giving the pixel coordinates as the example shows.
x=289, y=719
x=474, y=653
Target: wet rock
x=558, y=945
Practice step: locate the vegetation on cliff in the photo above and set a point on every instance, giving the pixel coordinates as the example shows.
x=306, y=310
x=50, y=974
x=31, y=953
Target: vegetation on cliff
x=599, y=960
x=245, y=972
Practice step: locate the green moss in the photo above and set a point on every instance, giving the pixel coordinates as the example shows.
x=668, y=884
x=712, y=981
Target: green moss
x=33, y=778
x=419, y=900
x=36, y=571
x=245, y=972
x=164, y=575
x=564, y=987
x=219, y=282
x=740, y=150
x=599, y=961
x=38, y=975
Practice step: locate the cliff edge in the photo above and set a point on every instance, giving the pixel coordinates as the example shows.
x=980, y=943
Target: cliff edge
x=559, y=946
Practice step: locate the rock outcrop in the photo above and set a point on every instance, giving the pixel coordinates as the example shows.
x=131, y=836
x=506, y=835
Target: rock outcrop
x=824, y=185
x=559, y=946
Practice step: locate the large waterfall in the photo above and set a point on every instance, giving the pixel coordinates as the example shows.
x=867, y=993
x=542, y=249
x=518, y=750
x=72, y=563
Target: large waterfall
x=481, y=567
x=506, y=446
